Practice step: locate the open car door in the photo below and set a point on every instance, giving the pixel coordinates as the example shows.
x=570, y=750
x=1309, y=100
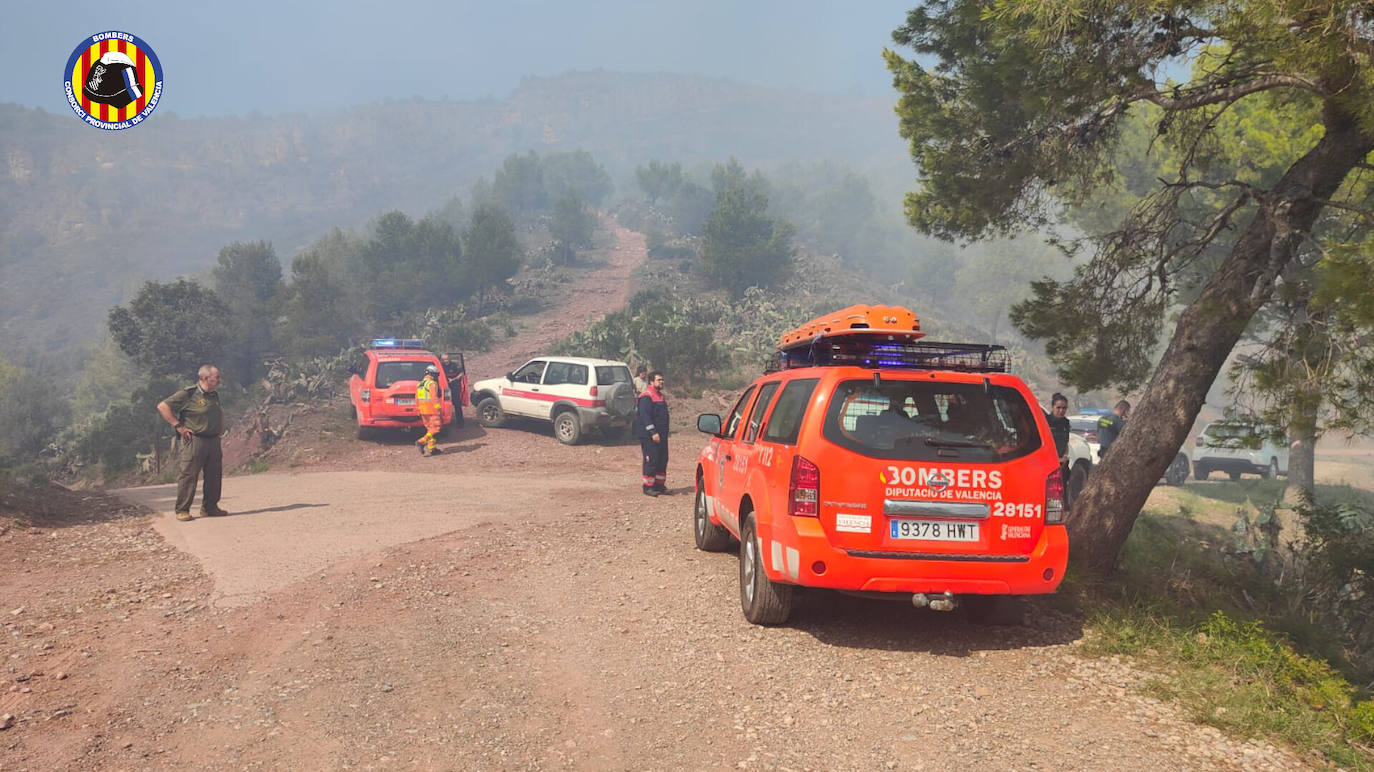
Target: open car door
x=455, y=370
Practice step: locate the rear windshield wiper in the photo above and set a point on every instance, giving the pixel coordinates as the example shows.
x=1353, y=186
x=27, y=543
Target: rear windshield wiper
x=934, y=443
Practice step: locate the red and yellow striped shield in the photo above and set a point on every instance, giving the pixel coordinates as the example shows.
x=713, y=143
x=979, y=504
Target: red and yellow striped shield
x=113, y=80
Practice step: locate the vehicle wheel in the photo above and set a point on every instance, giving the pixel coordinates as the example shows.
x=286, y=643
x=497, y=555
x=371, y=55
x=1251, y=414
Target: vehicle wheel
x=1272, y=471
x=709, y=536
x=1200, y=472
x=353, y=411
x=567, y=428
x=1234, y=476
x=1177, y=473
x=367, y=432
x=1001, y=610
x=489, y=413
x=1078, y=477
x=763, y=601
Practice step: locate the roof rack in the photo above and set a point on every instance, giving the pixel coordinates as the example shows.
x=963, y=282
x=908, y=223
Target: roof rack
x=878, y=352
x=879, y=337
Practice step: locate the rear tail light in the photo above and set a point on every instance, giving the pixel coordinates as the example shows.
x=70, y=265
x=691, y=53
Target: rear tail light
x=804, y=489
x=593, y=390
x=1054, y=498
x=366, y=395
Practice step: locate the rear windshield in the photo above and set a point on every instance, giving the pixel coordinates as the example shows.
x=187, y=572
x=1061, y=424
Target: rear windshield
x=405, y=370
x=1083, y=424
x=1233, y=436
x=928, y=421
x=608, y=374
x=1227, y=431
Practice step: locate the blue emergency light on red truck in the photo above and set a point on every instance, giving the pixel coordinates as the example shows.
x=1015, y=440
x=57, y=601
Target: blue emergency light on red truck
x=385, y=376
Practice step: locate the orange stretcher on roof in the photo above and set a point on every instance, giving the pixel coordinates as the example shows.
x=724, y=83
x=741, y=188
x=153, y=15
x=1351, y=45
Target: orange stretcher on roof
x=898, y=322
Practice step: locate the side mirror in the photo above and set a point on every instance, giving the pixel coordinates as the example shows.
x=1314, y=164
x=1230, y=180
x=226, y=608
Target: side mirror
x=510, y=377
x=709, y=423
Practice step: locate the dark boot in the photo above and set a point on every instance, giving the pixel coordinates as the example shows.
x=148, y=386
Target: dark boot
x=650, y=491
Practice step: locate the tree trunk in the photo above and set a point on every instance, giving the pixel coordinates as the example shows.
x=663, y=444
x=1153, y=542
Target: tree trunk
x=1207, y=331
x=1307, y=401
x=1302, y=465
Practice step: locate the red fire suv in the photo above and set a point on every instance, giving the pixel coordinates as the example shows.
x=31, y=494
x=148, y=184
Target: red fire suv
x=869, y=460
x=385, y=376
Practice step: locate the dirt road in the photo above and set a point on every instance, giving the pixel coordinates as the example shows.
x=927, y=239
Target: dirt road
x=513, y=604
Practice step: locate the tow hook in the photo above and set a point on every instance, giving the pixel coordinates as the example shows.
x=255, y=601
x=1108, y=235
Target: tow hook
x=945, y=602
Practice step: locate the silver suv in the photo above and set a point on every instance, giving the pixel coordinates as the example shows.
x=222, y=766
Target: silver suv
x=576, y=394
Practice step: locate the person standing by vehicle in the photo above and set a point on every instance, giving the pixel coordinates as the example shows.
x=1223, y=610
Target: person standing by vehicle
x=1109, y=427
x=641, y=381
x=652, y=420
x=427, y=402
x=195, y=414
x=1059, y=427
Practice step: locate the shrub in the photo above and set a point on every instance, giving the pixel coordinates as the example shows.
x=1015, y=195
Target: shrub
x=1337, y=572
x=677, y=337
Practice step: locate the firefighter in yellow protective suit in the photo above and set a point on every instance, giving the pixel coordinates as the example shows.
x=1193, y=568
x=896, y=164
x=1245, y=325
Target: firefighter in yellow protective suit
x=427, y=396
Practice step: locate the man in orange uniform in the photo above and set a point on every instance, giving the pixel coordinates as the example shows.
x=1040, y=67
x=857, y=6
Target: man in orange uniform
x=427, y=396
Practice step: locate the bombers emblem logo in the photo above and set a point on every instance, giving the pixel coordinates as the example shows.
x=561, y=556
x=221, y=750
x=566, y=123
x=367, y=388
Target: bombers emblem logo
x=113, y=80
x=939, y=482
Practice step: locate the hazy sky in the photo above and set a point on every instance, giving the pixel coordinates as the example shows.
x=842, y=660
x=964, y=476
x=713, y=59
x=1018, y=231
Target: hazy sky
x=230, y=58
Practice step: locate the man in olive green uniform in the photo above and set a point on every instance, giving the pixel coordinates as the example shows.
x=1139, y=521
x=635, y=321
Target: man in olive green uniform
x=195, y=414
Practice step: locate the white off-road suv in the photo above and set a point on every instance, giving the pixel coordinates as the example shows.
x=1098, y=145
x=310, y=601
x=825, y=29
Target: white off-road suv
x=575, y=393
x=1236, y=447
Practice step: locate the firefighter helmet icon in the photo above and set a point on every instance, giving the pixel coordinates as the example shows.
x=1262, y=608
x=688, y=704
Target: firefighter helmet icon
x=112, y=80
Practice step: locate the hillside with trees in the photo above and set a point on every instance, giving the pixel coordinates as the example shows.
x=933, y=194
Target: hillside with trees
x=86, y=217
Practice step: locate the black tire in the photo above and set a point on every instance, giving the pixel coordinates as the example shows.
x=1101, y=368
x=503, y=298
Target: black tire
x=1234, y=476
x=1272, y=471
x=489, y=412
x=1177, y=473
x=567, y=428
x=353, y=411
x=709, y=536
x=1000, y=610
x=763, y=601
x=367, y=433
x=1078, y=477
x=1200, y=472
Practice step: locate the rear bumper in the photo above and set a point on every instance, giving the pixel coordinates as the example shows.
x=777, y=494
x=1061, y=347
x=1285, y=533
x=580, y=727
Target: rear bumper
x=1224, y=464
x=810, y=560
x=592, y=418
x=401, y=420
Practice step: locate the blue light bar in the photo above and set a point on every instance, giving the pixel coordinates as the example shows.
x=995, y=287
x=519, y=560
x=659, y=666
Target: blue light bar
x=397, y=343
